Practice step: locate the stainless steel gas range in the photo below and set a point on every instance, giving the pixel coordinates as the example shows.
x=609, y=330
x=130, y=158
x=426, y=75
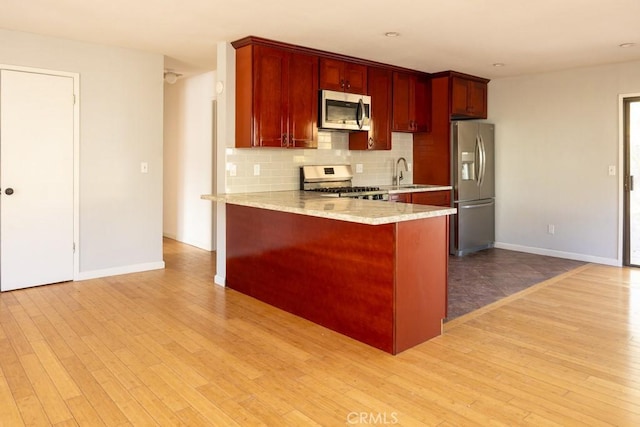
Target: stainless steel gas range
x=336, y=181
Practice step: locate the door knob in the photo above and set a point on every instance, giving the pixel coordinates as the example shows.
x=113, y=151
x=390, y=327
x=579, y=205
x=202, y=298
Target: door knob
x=8, y=191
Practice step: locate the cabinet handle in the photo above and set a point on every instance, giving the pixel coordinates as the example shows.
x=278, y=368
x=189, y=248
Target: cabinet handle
x=348, y=85
x=284, y=139
x=342, y=83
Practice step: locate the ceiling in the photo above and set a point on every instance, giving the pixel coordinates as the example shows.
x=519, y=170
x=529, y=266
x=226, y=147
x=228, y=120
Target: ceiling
x=435, y=35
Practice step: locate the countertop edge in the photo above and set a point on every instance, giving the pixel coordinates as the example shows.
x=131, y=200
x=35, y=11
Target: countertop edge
x=364, y=216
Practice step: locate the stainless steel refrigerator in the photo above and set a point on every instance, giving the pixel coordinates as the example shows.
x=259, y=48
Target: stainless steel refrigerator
x=473, y=179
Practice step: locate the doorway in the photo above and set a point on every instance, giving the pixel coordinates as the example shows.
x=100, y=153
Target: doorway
x=38, y=177
x=631, y=233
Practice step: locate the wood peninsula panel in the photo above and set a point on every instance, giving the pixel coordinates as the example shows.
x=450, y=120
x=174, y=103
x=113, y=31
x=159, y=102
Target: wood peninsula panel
x=383, y=285
x=334, y=273
x=421, y=281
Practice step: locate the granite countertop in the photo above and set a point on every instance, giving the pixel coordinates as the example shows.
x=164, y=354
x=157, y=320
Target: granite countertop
x=414, y=188
x=371, y=212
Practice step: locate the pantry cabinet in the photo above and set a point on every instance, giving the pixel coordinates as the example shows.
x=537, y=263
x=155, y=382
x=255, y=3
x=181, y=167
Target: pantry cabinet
x=411, y=102
x=379, y=137
x=276, y=97
x=343, y=76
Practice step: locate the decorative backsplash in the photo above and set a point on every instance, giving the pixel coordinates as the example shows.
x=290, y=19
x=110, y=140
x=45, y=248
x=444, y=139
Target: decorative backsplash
x=278, y=169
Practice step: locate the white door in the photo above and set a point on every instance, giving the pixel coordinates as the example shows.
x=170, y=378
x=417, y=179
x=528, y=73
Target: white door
x=36, y=179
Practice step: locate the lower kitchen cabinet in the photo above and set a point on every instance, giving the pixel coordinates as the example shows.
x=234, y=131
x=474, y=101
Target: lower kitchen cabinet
x=434, y=198
x=400, y=197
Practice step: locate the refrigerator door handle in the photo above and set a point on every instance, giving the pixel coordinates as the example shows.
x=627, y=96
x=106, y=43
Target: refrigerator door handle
x=477, y=164
x=482, y=205
x=481, y=159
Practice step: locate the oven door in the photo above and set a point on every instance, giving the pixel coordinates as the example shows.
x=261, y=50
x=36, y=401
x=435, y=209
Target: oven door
x=344, y=111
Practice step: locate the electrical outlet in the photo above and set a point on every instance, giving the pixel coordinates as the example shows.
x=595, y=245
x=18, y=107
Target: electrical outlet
x=551, y=229
x=612, y=170
x=233, y=170
x=359, y=168
x=256, y=170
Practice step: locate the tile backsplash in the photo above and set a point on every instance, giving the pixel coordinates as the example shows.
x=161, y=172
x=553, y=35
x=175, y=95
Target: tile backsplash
x=278, y=169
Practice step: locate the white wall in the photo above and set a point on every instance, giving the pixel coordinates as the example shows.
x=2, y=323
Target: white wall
x=188, y=160
x=121, y=105
x=556, y=135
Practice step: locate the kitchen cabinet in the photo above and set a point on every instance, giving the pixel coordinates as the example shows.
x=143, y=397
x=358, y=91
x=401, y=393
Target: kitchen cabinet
x=343, y=76
x=411, y=102
x=400, y=197
x=434, y=198
x=379, y=136
x=468, y=98
x=276, y=97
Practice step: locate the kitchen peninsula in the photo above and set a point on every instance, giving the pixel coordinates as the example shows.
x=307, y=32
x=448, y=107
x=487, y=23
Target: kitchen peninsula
x=373, y=270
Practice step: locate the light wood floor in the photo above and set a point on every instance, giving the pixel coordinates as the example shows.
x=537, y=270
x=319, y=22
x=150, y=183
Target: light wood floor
x=170, y=348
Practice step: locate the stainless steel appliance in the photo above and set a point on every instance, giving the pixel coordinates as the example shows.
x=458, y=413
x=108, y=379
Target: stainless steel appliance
x=335, y=181
x=344, y=111
x=472, y=155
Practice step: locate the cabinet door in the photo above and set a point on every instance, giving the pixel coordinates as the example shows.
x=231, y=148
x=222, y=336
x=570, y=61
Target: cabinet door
x=477, y=99
x=270, y=96
x=422, y=104
x=400, y=197
x=343, y=76
x=468, y=98
x=379, y=137
x=303, y=100
x=402, y=102
x=356, y=78
x=434, y=198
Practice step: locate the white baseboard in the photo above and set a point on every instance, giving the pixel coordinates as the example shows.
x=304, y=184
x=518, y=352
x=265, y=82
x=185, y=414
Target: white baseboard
x=219, y=280
x=559, y=254
x=136, y=268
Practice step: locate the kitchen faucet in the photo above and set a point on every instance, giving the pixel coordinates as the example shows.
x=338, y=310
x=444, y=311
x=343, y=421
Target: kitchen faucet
x=397, y=178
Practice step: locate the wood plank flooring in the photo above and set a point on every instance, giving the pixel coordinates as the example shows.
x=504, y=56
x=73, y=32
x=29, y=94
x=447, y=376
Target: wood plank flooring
x=170, y=348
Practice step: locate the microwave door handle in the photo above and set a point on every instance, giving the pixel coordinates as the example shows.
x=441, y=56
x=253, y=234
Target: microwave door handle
x=360, y=114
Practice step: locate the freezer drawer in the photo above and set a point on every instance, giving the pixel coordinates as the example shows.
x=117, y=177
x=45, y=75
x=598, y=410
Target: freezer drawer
x=473, y=226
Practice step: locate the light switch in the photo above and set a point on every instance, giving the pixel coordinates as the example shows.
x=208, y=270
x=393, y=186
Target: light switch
x=144, y=167
x=612, y=170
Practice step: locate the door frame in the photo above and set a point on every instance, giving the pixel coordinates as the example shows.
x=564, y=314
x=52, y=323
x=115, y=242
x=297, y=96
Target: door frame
x=76, y=151
x=623, y=197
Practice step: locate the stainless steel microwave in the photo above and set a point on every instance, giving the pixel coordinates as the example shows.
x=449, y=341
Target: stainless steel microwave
x=344, y=111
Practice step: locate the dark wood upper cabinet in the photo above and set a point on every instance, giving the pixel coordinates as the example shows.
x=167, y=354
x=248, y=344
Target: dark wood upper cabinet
x=276, y=97
x=379, y=82
x=411, y=102
x=468, y=98
x=343, y=76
